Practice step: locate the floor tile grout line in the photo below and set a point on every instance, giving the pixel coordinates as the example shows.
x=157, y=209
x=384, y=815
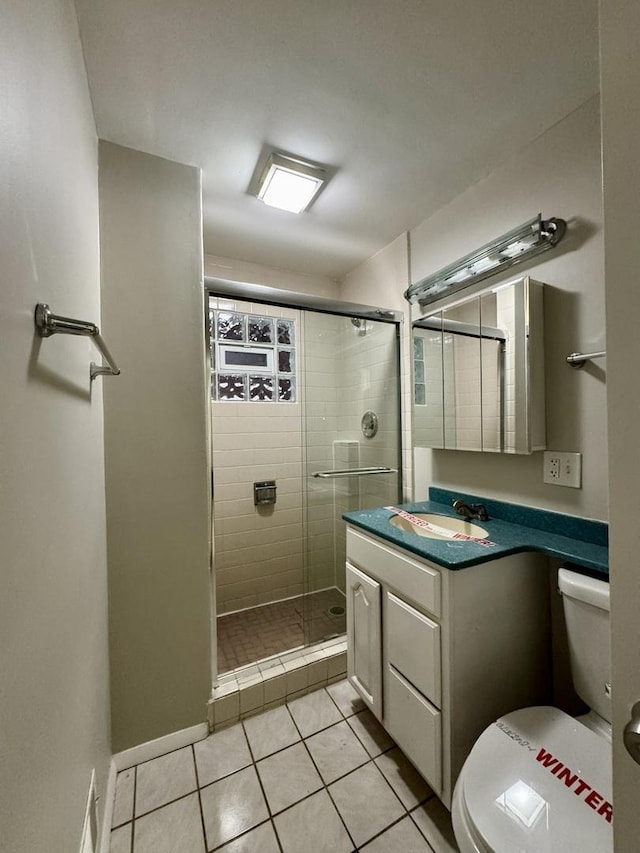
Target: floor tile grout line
x=257, y=772
x=168, y=803
x=406, y=810
x=386, y=829
x=326, y=788
x=221, y=847
x=204, y=828
x=262, y=789
x=415, y=822
x=133, y=806
x=277, y=835
x=325, y=785
x=390, y=786
x=378, y=754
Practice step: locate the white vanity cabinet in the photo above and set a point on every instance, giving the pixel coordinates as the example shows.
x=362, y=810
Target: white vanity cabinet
x=437, y=655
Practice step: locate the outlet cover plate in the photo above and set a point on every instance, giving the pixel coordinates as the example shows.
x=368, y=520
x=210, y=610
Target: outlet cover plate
x=562, y=469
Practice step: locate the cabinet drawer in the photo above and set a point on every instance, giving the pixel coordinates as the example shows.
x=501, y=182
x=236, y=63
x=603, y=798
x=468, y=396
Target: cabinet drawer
x=419, y=583
x=415, y=725
x=413, y=646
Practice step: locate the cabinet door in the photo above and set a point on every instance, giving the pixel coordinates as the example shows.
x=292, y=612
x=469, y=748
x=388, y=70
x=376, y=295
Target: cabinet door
x=364, y=638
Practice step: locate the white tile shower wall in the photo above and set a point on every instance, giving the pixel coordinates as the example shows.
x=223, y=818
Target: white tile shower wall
x=258, y=550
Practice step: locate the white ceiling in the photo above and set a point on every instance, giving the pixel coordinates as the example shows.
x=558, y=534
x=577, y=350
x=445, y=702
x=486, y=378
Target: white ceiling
x=411, y=101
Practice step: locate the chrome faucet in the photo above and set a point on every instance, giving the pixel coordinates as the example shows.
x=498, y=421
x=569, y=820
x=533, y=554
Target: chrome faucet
x=475, y=512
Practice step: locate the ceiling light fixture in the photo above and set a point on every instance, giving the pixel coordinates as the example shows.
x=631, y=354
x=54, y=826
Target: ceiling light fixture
x=512, y=248
x=290, y=183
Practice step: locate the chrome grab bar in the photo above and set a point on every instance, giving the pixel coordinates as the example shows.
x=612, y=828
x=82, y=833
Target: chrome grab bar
x=353, y=472
x=577, y=359
x=49, y=324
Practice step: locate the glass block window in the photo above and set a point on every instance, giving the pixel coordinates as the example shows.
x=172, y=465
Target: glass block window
x=253, y=358
x=261, y=330
x=286, y=332
x=232, y=387
x=286, y=361
x=231, y=327
x=261, y=387
x=286, y=390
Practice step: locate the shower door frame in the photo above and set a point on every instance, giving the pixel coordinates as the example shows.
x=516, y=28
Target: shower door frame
x=261, y=294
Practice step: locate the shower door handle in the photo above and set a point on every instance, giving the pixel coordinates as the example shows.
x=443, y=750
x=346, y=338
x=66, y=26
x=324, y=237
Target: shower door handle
x=353, y=472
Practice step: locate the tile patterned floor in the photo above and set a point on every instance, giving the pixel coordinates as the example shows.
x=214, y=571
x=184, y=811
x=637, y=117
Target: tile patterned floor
x=259, y=632
x=318, y=775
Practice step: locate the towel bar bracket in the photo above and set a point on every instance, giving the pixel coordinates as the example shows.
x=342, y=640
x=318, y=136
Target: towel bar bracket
x=578, y=359
x=47, y=323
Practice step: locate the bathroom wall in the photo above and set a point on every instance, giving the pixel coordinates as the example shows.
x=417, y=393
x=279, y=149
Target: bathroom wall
x=235, y=270
x=156, y=450
x=558, y=174
x=54, y=694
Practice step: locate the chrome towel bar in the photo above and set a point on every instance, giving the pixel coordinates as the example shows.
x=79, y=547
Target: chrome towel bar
x=578, y=359
x=49, y=324
x=353, y=472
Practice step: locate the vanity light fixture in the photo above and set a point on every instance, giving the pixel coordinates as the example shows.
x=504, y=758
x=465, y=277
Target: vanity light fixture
x=512, y=248
x=290, y=183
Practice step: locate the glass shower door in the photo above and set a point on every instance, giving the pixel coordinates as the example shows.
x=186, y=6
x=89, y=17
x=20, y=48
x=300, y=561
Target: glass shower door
x=351, y=423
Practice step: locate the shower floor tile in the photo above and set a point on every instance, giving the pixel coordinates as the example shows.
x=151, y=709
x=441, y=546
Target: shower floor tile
x=272, y=629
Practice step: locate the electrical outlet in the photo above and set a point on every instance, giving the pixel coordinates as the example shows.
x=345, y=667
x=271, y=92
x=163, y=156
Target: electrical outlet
x=562, y=469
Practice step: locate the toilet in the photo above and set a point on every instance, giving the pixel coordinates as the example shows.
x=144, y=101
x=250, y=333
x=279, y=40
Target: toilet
x=538, y=780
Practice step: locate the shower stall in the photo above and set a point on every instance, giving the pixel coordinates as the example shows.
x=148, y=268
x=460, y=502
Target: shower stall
x=305, y=416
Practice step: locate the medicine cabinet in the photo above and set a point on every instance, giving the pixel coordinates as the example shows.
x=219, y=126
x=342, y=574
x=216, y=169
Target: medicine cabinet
x=478, y=369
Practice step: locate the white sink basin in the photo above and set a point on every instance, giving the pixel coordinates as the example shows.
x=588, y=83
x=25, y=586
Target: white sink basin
x=454, y=525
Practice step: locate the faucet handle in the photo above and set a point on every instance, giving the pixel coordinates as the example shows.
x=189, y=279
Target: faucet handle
x=480, y=512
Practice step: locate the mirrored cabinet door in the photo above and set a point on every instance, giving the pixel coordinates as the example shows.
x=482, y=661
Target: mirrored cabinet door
x=462, y=376
x=428, y=421
x=479, y=372
x=492, y=360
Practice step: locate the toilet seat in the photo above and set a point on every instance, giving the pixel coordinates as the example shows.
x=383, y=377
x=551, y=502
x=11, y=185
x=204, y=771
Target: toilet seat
x=536, y=781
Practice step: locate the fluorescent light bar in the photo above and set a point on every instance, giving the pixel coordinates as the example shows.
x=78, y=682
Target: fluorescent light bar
x=290, y=184
x=512, y=248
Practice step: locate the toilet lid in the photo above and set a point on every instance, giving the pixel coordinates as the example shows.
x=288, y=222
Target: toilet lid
x=537, y=780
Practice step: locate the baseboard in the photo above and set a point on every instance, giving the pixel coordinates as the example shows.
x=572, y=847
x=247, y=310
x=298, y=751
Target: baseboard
x=107, y=808
x=160, y=746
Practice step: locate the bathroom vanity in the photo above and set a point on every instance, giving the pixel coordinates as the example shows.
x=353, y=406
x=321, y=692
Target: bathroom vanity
x=443, y=635
x=436, y=654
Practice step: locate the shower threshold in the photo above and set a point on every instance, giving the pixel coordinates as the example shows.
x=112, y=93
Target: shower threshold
x=248, y=636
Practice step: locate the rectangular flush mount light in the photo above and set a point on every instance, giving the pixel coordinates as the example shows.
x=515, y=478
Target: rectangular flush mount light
x=512, y=248
x=290, y=184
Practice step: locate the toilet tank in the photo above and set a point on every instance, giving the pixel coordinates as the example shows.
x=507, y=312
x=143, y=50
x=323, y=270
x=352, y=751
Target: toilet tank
x=586, y=609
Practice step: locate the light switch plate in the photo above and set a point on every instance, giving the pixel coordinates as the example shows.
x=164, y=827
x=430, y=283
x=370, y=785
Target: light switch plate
x=562, y=469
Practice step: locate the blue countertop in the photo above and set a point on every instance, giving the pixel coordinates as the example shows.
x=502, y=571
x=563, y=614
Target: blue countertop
x=513, y=529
